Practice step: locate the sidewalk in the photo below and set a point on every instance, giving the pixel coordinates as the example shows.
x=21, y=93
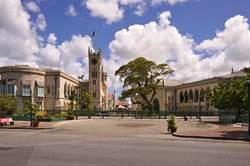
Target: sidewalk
x=26, y=125
x=221, y=132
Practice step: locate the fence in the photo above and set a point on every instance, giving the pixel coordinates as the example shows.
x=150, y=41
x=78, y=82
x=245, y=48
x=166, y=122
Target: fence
x=225, y=117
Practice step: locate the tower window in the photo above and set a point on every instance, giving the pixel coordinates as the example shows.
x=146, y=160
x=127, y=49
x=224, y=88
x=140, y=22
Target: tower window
x=94, y=94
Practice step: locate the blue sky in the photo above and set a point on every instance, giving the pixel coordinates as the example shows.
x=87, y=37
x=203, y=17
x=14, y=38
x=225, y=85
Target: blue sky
x=199, y=18
x=197, y=38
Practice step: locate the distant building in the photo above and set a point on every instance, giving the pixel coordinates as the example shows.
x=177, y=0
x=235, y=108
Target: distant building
x=50, y=89
x=124, y=103
x=174, y=95
x=111, y=101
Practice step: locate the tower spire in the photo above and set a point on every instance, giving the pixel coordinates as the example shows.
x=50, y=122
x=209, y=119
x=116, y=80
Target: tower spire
x=93, y=39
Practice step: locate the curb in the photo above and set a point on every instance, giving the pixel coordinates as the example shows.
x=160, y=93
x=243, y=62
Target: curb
x=26, y=128
x=215, y=138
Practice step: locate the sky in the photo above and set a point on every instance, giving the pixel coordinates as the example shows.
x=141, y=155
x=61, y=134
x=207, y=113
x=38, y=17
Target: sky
x=197, y=38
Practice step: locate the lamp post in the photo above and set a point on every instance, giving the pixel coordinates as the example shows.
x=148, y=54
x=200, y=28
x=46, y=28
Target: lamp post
x=248, y=86
x=199, y=108
x=31, y=109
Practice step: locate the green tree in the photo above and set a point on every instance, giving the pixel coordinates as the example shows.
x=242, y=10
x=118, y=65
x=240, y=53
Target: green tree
x=31, y=109
x=83, y=98
x=231, y=95
x=141, y=79
x=79, y=98
x=72, y=98
x=8, y=105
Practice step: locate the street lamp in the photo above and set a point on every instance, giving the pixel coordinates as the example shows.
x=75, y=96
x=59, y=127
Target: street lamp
x=248, y=86
x=31, y=109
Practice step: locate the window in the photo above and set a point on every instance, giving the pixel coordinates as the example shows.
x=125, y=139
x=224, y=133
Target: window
x=40, y=92
x=1, y=89
x=11, y=90
x=196, y=96
x=48, y=90
x=65, y=91
x=26, y=90
x=202, y=95
x=8, y=89
x=94, y=94
x=185, y=97
x=181, y=97
x=94, y=73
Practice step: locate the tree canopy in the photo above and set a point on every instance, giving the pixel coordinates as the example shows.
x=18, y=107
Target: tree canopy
x=8, y=105
x=141, y=78
x=231, y=95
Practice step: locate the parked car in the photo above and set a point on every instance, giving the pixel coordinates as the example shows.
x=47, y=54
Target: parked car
x=6, y=121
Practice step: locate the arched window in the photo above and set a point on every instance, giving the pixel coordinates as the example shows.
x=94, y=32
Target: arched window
x=156, y=105
x=185, y=97
x=207, y=93
x=181, y=97
x=202, y=95
x=191, y=95
x=196, y=96
x=69, y=90
x=65, y=90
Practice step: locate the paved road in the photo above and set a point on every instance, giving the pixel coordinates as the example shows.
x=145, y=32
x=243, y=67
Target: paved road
x=69, y=146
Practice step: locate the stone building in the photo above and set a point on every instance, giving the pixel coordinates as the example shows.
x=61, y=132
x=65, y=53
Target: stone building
x=97, y=81
x=46, y=87
x=174, y=95
x=50, y=88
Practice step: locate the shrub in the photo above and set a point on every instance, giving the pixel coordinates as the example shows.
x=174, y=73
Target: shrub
x=172, y=127
x=41, y=114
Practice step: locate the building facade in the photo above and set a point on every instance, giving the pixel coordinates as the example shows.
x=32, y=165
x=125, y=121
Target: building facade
x=47, y=88
x=97, y=81
x=173, y=95
x=50, y=89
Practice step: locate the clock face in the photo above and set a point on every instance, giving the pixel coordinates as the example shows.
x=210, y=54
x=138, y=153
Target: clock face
x=94, y=61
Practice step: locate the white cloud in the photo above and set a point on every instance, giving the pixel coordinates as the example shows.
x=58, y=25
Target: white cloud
x=52, y=38
x=115, y=8
x=107, y=9
x=162, y=42
x=231, y=45
x=157, y=40
x=49, y=56
x=18, y=42
x=32, y=6
x=74, y=55
x=171, y=2
x=138, y=5
x=140, y=9
x=71, y=56
x=41, y=22
x=71, y=11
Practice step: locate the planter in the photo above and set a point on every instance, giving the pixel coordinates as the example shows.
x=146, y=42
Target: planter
x=35, y=123
x=173, y=129
x=70, y=118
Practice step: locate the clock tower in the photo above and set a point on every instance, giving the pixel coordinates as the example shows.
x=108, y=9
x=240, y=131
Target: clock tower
x=97, y=81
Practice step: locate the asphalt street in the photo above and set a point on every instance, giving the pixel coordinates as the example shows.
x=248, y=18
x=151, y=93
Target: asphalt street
x=66, y=146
